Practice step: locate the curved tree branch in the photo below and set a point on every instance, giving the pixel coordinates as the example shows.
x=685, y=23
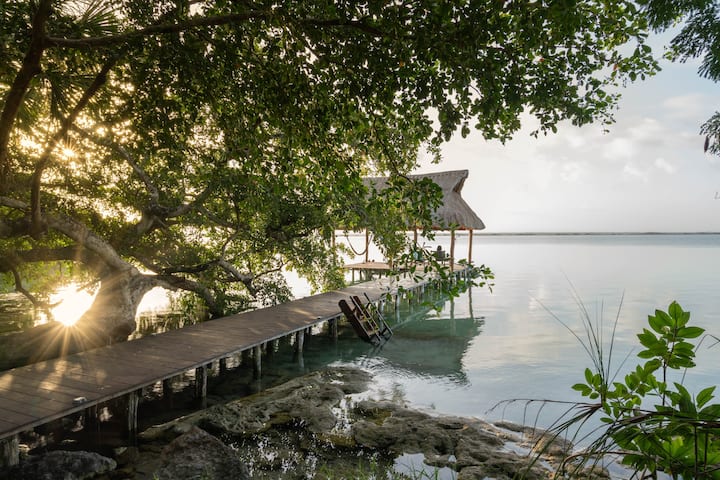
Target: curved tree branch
x=87, y=239
x=29, y=69
x=9, y=263
x=71, y=253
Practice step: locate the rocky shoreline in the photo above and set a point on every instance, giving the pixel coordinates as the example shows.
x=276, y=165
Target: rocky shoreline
x=321, y=425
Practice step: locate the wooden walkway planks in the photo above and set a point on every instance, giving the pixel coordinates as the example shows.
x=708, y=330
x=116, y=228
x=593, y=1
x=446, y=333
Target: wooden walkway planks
x=36, y=394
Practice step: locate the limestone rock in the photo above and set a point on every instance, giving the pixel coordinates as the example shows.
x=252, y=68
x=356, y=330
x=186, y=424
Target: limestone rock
x=61, y=465
x=307, y=400
x=197, y=454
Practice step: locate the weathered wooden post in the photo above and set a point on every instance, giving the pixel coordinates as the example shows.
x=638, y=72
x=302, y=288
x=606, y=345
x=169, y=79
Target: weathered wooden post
x=257, y=361
x=299, y=345
x=222, y=366
x=10, y=452
x=133, y=402
x=299, y=341
x=245, y=356
x=333, y=328
x=90, y=418
x=167, y=392
x=201, y=374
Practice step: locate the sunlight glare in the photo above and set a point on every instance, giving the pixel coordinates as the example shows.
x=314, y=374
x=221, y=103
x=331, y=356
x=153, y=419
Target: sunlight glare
x=73, y=303
x=155, y=301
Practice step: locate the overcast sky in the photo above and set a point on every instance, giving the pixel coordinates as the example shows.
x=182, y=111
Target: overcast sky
x=649, y=173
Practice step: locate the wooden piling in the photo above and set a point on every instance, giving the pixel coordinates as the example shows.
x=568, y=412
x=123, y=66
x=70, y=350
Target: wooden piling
x=167, y=392
x=257, y=362
x=201, y=385
x=10, y=451
x=131, y=425
x=90, y=418
x=333, y=328
x=299, y=341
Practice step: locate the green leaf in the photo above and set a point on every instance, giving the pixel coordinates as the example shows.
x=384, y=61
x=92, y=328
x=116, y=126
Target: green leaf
x=690, y=332
x=705, y=396
x=656, y=323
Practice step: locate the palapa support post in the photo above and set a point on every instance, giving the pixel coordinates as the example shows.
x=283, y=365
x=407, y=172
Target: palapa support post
x=10, y=448
x=131, y=425
x=201, y=374
x=452, y=250
x=257, y=361
x=470, y=240
x=269, y=350
x=367, y=244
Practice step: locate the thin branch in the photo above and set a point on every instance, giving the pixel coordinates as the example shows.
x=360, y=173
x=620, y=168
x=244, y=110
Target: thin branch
x=8, y=263
x=197, y=22
x=67, y=123
x=139, y=171
x=29, y=69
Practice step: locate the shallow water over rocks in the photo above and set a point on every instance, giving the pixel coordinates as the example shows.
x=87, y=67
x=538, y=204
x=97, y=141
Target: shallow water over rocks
x=325, y=425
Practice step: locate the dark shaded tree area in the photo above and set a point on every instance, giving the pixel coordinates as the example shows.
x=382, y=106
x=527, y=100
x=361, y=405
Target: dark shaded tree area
x=205, y=145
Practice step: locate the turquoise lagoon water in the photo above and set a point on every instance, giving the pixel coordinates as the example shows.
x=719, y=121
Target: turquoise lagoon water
x=484, y=348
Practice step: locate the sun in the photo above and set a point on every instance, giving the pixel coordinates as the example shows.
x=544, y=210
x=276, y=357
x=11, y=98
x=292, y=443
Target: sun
x=73, y=302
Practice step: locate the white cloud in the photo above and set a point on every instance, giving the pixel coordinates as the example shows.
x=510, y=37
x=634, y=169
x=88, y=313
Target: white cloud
x=664, y=165
x=632, y=171
x=687, y=107
x=571, y=172
x=619, y=148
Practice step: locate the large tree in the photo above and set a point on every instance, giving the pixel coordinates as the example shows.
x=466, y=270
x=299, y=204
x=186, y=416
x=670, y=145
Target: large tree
x=202, y=145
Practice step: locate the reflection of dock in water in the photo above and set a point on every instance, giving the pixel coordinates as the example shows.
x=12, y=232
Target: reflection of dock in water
x=427, y=345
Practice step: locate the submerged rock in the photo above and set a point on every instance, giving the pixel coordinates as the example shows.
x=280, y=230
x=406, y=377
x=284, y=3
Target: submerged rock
x=61, y=465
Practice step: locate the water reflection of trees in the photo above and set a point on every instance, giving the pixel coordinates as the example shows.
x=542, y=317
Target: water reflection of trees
x=152, y=323
x=16, y=313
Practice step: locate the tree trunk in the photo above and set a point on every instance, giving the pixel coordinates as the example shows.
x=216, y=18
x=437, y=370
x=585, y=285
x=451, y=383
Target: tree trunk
x=111, y=318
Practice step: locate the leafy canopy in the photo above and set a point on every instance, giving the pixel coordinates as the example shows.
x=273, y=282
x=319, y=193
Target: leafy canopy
x=211, y=142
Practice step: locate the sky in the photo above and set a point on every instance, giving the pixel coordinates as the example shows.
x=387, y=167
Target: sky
x=648, y=174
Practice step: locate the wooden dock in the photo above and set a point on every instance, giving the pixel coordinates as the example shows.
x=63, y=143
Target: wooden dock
x=39, y=393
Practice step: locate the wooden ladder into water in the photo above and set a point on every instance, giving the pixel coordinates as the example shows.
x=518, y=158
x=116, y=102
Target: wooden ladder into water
x=366, y=320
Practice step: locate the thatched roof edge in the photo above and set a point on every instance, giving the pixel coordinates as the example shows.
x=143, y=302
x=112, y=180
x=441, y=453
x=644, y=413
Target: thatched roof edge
x=454, y=211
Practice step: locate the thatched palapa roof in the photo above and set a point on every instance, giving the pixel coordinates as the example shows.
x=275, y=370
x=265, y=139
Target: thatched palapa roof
x=454, y=211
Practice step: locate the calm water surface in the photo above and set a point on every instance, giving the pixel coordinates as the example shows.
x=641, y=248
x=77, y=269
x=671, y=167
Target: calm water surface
x=488, y=347
x=484, y=348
